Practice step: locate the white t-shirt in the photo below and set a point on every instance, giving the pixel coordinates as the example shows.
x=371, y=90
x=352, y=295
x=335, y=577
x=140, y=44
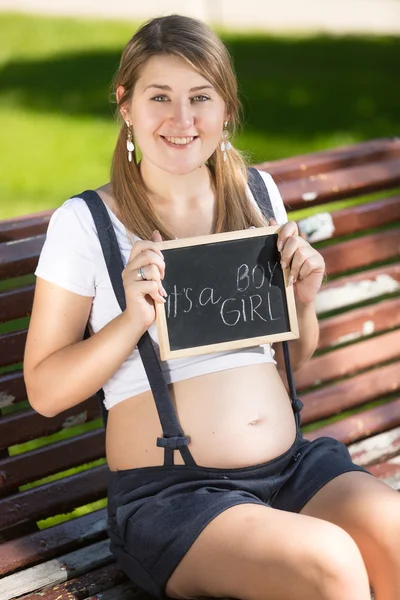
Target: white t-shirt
x=72, y=258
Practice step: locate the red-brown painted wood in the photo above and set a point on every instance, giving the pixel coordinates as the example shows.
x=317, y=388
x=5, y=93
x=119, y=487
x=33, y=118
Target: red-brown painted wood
x=344, y=157
x=29, y=425
x=15, y=304
x=20, y=257
x=355, y=391
x=336, y=185
x=48, y=460
x=25, y=226
x=12, y=388
x=350, y=359
x=54, y=541
x=349, y=325
x=354, y=219
x=361, y=425
x=54, y=498
x=362, y=251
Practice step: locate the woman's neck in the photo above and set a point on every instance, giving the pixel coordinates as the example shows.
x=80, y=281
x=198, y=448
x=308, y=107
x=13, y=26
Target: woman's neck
x=168, y=189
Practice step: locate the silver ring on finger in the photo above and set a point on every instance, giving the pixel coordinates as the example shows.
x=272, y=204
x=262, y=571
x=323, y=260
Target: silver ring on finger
x=141, y=274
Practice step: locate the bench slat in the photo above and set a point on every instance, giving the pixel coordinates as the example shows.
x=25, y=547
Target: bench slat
x=56, y=571
x=389, y=472
x=20, y=257
x=124, y=591
x=12, y=346
x=48, y=460
x=359, y=287
x=359, y=322
x=362, y=251
x=29, y=425
x=361, y=425
x=15, y=304
x=296, y=167
x=336, y=185
x=325, y=225
x=12, y=388
x=344, y=395
x=25, y=226
x=94, y=582
x=54, y=498
x=48, y=543
x=350, y=359
x=376, y=449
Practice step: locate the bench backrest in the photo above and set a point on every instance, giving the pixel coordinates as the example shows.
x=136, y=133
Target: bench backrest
x=354, y=375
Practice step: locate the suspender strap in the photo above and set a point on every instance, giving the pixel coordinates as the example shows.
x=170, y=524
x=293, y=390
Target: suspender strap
x=173, y=435
x=260, y=192
x=261, y=195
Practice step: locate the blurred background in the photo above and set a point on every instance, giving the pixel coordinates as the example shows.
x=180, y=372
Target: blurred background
x=313, y=74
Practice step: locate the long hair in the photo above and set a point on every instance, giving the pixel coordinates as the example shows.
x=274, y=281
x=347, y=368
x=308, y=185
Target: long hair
x=194, y=42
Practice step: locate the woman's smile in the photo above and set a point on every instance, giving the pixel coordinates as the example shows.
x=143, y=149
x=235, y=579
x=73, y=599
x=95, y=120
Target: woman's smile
x=180, y=143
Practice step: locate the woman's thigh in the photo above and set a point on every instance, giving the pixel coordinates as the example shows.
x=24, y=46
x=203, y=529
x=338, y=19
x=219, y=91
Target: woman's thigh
x=256, y=552
x=369, y=510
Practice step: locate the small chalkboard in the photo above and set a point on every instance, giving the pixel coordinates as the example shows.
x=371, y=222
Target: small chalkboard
x=225, y=291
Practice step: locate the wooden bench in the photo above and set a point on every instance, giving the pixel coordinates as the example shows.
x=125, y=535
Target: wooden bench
x=349, y=388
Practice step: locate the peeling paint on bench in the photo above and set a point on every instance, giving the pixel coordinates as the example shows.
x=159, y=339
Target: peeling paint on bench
x=317, y=227
x=368, y=328
x=6, y=399
x=352, y=293
x=73, y=420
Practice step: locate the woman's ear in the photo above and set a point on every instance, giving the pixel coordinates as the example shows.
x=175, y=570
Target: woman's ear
x=122, y=108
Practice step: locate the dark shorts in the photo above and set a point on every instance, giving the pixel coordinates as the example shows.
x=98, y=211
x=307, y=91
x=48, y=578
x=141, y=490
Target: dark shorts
x=156, y=513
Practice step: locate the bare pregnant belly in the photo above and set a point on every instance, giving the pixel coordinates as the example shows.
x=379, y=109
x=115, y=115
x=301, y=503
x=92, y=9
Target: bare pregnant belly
x=234, y=418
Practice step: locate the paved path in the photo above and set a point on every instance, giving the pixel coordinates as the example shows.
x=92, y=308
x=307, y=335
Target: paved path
x=337, y=16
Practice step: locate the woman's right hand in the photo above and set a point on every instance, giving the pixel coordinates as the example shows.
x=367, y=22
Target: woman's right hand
x=141, y=295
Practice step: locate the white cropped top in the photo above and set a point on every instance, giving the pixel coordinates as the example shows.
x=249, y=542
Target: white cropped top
x=72, y=258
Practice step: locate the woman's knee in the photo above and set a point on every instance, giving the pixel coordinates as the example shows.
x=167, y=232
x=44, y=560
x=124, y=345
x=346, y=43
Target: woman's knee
x=266, y=554
x=338, y=567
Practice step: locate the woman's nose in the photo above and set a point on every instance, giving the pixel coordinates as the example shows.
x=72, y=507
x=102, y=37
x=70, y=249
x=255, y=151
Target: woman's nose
x=182, y=116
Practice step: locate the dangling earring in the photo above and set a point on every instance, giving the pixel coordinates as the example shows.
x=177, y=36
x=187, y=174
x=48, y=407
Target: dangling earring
x=129, y=142
x=225, y=144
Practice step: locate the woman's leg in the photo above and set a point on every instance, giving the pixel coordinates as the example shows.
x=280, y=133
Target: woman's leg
x=369, y=511
x=255, y=552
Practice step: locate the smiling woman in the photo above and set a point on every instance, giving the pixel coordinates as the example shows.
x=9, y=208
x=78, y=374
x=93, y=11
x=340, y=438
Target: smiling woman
x=216, y=431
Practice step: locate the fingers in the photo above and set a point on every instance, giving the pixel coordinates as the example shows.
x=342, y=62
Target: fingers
x=156, y=236
x=143, y=245
x=297, y=254
x=145, y=255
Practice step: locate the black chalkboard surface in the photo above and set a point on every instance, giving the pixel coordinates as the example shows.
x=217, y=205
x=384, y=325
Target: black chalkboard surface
x=225, y=291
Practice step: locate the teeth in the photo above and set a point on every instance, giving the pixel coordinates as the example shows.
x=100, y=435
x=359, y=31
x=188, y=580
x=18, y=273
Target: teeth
x=180, y=141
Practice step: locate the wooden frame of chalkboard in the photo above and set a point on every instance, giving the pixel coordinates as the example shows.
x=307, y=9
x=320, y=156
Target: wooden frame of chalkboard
x=225, y=291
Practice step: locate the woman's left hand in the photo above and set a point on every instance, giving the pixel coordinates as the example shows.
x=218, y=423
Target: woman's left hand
x=307, y=266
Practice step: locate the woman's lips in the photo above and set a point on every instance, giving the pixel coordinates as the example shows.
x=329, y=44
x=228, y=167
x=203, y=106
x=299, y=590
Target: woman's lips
x=184, y=142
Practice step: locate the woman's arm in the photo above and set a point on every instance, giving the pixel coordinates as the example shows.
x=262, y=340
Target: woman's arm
x=60, y=369
x=307, y=268
x=302, y=349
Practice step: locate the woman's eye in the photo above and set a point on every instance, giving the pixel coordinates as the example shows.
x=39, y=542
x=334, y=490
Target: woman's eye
x=200, y=98
x=160, y=98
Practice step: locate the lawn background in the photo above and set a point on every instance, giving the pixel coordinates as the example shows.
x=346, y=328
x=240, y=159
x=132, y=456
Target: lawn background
x=57, y=122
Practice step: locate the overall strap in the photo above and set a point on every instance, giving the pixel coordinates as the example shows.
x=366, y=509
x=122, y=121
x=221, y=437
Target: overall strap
x=261, y=196
x=173, y=435
x=260, y=192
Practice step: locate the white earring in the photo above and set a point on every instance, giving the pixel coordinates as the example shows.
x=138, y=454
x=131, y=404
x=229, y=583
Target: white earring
x=225, y=144
x=129, y=142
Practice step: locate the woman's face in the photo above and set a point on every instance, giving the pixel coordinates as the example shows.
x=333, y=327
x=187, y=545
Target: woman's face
x=176, y=114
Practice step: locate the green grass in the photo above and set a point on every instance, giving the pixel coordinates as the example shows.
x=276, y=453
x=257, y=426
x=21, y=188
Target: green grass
x=300, y=94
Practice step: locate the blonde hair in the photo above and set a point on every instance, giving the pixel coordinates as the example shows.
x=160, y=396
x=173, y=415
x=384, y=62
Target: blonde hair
x=193, y=41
